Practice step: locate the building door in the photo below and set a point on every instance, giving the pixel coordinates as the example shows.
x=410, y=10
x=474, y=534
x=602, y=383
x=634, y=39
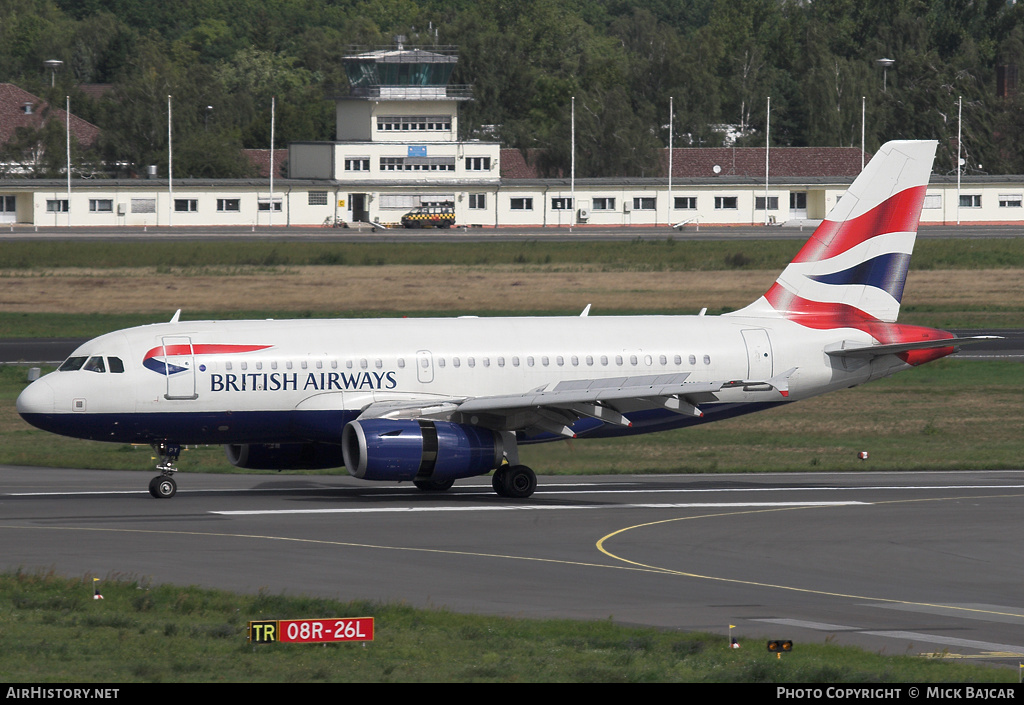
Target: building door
x=7, y=212
x=797, y=205
x=358, y=203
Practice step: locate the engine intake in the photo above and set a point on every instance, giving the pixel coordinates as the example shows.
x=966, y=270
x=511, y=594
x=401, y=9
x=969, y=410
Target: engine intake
x=403, y=449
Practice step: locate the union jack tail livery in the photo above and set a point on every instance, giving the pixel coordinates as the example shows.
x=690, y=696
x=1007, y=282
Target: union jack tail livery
x=853, y=268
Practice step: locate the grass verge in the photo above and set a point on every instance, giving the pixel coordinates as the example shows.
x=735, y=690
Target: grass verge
x=54, y=631
x=628, y=255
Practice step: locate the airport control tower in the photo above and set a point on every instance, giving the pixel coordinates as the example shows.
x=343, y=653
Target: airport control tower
x=397, y=128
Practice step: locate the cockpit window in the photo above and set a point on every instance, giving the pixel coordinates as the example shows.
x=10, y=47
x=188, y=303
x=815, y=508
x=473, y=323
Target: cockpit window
x=95, y=364
x=115, y=364
x=72, y=364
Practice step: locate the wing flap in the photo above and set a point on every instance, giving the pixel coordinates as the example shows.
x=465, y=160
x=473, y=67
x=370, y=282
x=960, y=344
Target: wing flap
x=597, y=391
x=555, y=407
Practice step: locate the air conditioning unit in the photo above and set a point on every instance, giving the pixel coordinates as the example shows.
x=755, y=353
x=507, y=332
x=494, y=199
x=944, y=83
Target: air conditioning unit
x=584, y=213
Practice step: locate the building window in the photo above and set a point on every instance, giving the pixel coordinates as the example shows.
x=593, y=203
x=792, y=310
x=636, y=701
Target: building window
x=773, y=203
x=186, y=205
x=400, y=201
x=686, y=203
x=933, y=201
x=798, y=200
x=263, y=204
x=143, y=205
x=357, y=163
x=726, y=203
x=644, y=203
x=416, y=123
x=522, y=204
x=416, y=164
x=970, y=201
x=604, y=204
x=316, y=198
x=478, y=163
x=1012, y=200
x=101, y=205
x=57, y=206
x=561, y=204
x=477, y=201
x=228, y=204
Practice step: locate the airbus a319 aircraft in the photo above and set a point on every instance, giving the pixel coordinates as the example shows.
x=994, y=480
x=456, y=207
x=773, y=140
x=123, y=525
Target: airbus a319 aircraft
x=435, y=400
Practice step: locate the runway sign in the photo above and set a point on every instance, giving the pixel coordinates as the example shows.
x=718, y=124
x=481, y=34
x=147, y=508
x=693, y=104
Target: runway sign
x=311, y=631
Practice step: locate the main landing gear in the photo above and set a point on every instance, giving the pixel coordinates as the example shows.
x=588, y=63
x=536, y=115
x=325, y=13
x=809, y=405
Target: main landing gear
x=163, y=485
x=514, y=481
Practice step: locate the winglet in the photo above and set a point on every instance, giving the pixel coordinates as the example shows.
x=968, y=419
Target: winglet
x=586, y=312
x=176, y=316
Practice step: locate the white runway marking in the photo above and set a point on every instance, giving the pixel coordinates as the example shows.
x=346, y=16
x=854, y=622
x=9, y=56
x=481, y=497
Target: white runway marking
x=818, y=626
x=985, y=646
x=532, y=508
x=951, y=641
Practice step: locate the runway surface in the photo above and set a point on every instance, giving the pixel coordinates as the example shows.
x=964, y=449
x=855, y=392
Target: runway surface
x=895, y=562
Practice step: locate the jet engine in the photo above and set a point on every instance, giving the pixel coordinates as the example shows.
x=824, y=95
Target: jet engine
x=284, y=456
x=404, y=449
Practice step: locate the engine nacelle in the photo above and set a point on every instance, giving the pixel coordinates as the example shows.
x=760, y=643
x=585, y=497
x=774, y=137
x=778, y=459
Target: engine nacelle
x=285, y=456
x=403, y=449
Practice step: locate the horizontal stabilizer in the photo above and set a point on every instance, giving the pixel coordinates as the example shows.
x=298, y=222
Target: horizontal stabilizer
x=896, y=348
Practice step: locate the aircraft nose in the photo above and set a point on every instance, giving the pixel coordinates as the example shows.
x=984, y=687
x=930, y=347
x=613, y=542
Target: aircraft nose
x=36, y=398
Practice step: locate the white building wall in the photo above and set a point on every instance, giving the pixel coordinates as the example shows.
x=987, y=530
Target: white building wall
x=479, y=201
x=420, y=162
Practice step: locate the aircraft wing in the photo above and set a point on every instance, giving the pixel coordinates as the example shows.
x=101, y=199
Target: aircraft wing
x=556, y=407
x=858, y=350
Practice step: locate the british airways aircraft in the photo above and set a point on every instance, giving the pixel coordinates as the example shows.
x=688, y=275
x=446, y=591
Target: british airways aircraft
x=435, y=400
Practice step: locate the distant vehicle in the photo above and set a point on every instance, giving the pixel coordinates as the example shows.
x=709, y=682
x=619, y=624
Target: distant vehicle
x=439, y=214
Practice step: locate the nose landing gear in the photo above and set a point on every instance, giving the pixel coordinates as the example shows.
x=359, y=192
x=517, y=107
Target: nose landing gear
x=163, y=485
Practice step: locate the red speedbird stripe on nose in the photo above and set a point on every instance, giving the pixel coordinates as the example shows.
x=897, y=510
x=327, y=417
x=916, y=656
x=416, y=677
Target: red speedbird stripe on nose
x=202, y=349
x=897, y=214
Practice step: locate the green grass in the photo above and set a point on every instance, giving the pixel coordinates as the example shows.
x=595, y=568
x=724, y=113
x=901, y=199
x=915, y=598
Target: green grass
x=633, y=255
x=53, y=631
x=949, y=414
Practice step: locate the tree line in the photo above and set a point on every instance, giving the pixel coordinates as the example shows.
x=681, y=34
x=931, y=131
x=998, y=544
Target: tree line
x=718, y=61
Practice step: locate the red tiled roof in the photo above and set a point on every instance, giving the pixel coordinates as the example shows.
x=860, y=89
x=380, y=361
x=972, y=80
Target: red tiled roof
x=260, y=160
x=798, y=162
x=514, y=165
x=13, y=115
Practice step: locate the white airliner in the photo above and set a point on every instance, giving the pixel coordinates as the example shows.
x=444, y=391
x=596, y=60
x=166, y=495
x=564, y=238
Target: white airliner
x=435, y=400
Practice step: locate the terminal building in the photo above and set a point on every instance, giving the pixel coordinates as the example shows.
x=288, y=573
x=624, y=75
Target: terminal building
x=397, y=147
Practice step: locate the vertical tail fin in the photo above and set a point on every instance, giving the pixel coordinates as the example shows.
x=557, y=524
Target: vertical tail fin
x=854, y=266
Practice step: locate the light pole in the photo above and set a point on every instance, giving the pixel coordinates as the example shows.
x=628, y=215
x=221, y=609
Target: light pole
x=206, y=117
x=885, y=64
x=53, y=65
